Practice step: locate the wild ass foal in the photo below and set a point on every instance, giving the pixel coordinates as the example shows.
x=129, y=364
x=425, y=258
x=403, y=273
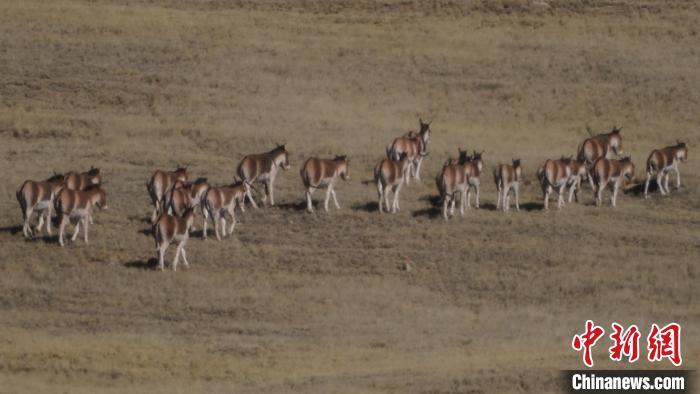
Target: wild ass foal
x=414, y=145
x=220, y=201
x=555, y=175
x=168, y=229
x=319, y=173
x=160, y=186
x=662, y=162
x=390, y=173
x=617, y=172
x=507, y=177
x=263, y=168
x=78, y=205
x=38, y=196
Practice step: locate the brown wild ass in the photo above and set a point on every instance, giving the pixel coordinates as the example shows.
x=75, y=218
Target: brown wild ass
x=507, y=177
x=414, y=145
x=38, y=196
x=390, y=173
x=453, y=179
x=81, y=181
x=579, y=172
x=617, y=172
x=160, y=186
x=186, y=195
x=220, y=201
x=320, y=173
x=602, y=145
x=168, y=229
x=263, y=168
x=662, y=162
x=554, y=175
x=78, y=205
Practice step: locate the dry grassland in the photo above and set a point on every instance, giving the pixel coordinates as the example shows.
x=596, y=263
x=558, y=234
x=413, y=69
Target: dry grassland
x=298, y=302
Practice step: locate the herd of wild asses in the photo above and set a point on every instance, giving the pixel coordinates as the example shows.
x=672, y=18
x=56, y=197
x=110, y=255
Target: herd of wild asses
x=599, y=160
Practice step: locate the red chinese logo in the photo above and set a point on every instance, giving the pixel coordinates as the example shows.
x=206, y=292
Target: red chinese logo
x=662, y=343
x=587, y=340
x=626, y=343
x=665, y=343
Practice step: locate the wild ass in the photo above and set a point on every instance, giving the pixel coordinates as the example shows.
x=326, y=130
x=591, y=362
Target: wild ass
x=414, y=145
x=602, y=145
x=613, y=171
x=319, y=173
x=507, y=177
x=579, y=172
x=391, y=173
x=168, y=229
x=78, y=205
x=453, y=179
x=263, y=168
x=186, y=195
x=462, y=157
x=220, y=201
x=554, y=175
x=38, y=196
x=83, y=180
x=662, y=162
x=160, y=186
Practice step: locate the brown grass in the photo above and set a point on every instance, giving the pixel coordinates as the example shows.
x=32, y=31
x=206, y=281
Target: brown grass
x=319, y=303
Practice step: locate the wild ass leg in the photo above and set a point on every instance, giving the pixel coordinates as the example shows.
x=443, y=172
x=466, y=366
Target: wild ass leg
x=26, y=227
x=184, y=255
x=86, y=220
x=205, y=214
x=328, y=197
x=161, y=254
x=380, y=193
x=498, y=201
x=49, y=212
x=417, y=173
x=659, y=182
x=668, y=175
x=309, y=203
x=77, y=229
x=616, y=187
x=335, y=199
x=232, y=213
x=62, y=229
x=560, y=196
x=177, y=255
x=445, y=203
x=271, y=190
x=250, y=197
x=646, y=185
x=41, y=221
x=678, y=177
x=397, y=189
x=216, y=218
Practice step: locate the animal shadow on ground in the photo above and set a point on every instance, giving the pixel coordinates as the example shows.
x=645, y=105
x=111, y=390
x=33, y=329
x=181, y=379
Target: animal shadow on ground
x=11, y=229
x=294, y=206
x=53, y=239
x=146, y=231
x=150, y=264
x=371, y=206
x=435, y=208
x=638, y=189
